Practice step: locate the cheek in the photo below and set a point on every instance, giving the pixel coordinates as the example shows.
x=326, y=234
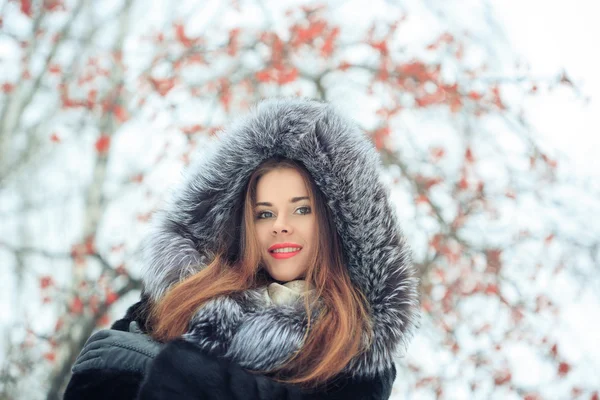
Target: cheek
x=262, y=235
x=313, y=231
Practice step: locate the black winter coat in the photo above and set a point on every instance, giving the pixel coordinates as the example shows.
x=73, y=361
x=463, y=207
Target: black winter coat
x=232, y=335
x=122, y=363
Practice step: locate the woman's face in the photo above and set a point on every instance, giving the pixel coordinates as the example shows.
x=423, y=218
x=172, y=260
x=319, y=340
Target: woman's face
x=284, y=214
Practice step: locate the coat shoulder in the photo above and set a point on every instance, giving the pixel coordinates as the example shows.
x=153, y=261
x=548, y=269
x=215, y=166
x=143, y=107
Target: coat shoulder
x=376, y=387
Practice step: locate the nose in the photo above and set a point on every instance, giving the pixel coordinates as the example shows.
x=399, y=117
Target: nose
x=281, y=225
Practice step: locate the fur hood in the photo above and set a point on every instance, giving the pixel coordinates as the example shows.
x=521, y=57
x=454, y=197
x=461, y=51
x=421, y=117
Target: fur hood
x=346, y=167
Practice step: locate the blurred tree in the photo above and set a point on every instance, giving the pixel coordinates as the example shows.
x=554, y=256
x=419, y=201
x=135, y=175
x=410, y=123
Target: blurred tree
x=102, y=104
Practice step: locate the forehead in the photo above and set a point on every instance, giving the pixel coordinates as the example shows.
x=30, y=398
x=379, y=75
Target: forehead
x=280, y=184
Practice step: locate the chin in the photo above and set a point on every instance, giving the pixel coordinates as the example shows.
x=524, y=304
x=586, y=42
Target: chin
x=285, y=277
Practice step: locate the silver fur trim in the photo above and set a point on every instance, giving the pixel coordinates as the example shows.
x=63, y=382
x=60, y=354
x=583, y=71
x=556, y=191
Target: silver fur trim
x=346, y=167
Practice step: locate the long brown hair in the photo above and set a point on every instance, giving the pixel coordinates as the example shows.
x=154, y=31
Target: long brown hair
x=341, y=329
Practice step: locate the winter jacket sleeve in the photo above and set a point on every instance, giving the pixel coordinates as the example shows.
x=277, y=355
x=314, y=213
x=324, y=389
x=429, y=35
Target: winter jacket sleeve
x=182, y=371
x=112, y=364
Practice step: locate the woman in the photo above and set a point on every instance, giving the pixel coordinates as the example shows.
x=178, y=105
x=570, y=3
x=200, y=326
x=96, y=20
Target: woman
x=278, y=271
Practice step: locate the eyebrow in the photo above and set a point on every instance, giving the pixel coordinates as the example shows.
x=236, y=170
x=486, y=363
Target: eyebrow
x=292, y=200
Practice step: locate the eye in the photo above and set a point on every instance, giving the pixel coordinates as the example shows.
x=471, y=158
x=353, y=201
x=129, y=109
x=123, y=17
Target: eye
x=258, y=215
x=308, y=210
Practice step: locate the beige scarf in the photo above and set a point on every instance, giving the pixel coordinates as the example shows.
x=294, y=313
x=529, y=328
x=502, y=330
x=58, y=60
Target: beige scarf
x=289, y=292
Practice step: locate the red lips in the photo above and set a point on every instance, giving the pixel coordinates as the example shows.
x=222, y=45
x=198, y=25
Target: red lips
x=281, y=245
